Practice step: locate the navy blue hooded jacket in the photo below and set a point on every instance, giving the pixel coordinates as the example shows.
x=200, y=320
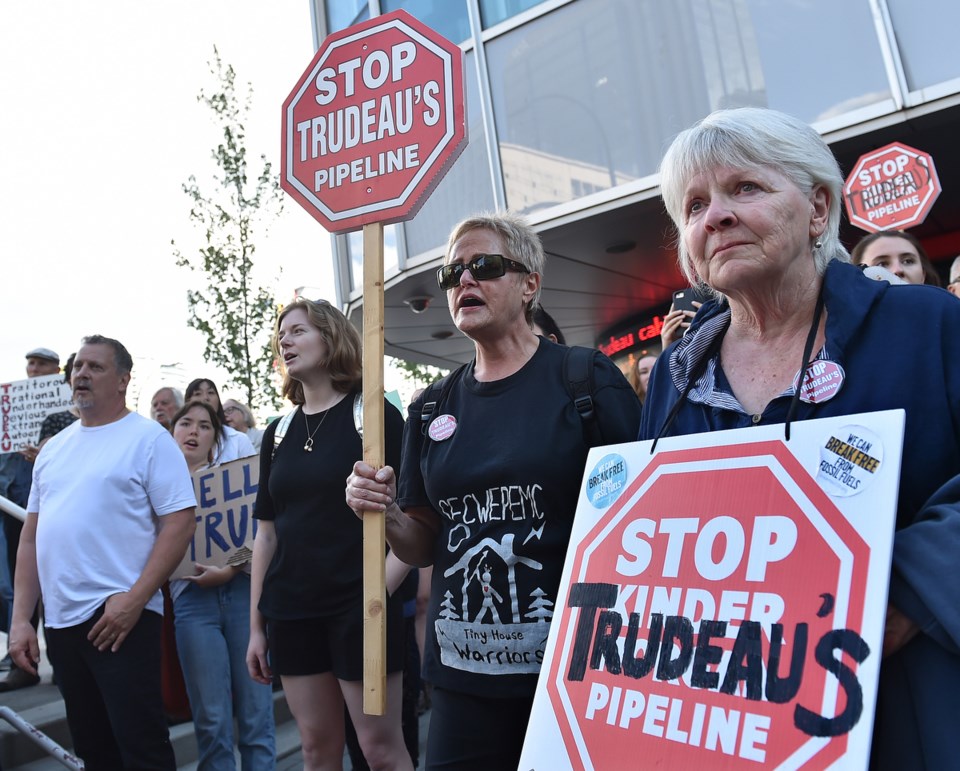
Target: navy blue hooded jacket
x=900, y=348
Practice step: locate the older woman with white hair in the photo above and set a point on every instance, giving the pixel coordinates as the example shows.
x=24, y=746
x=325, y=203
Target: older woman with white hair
x=492, y=462
x=755, y=197
x=240, y=418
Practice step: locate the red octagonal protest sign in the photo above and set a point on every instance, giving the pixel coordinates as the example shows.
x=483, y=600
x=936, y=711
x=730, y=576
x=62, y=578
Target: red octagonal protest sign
x=691, y=641
x=892, y=188
x=374, y=123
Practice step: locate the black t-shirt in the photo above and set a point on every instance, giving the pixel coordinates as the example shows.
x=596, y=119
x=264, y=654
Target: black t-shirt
x=505, y=484
x=317, y=568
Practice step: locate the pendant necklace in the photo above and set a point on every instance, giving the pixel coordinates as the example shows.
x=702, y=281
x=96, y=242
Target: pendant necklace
x=308, y=445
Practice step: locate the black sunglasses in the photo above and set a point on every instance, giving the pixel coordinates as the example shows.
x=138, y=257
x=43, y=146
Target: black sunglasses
x=482, y=267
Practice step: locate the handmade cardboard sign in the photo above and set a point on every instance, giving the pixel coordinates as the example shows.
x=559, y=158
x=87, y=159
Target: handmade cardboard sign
x=723, y=601
x=23, y=406
x=225, y=523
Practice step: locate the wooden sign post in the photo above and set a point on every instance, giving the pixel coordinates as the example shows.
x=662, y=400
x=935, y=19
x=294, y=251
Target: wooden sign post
x=370, y=128
x=374, y=578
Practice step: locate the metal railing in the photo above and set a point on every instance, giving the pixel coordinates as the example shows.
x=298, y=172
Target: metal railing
x=39, y=738
x=9, y=507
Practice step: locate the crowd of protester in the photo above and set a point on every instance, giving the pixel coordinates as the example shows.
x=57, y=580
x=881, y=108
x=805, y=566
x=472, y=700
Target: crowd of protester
x=755, y=184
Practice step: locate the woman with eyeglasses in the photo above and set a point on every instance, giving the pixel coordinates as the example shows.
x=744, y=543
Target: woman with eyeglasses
x=493, y=457
x=239, y=418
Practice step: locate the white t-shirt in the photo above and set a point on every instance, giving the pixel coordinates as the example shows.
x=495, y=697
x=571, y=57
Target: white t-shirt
x=231, y=446
x=97, y=492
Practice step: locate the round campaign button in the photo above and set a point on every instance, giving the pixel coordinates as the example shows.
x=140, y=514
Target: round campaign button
x=850, y=458
x=605, y=482
x=822, y=381
x=442, y=427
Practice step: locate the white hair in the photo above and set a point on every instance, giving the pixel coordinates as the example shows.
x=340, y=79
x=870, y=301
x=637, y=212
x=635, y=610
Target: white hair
x=175, y=393
x=753, y=137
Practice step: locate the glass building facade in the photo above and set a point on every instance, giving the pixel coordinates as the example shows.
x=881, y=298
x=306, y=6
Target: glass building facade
x=571, y=103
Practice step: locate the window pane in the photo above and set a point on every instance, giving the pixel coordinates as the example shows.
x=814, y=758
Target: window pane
x=448, y=17
x=588, y=96
x=344, y=13
x=494, y=11
x=467, y=187
x=926, y=30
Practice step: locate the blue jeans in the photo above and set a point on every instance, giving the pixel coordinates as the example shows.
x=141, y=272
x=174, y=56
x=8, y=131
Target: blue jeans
x=213, y=629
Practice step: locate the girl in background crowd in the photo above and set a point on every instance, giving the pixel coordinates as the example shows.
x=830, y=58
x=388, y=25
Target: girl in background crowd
x=899, y=252
x=212, y=619
x=231, y=444
x=639, y=375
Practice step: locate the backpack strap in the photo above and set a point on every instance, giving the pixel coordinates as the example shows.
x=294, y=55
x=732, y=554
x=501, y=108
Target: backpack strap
x=282, y=425
x=358, y=413
x=578, y=375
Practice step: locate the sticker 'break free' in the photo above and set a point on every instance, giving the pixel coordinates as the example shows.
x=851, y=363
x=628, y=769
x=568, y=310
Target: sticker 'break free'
x=849, y=460
x=606, y=480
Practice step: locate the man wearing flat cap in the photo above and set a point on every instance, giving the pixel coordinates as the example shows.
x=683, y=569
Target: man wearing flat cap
x=15, y=474
x=42, y=361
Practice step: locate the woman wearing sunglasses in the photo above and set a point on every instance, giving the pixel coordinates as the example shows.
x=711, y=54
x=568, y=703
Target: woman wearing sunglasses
x=491, y=470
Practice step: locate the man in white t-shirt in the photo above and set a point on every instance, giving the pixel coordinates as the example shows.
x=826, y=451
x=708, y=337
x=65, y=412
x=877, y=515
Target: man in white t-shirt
x=110, y=515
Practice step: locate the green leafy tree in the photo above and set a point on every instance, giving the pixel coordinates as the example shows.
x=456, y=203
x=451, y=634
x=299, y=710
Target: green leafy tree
x=233, y=311
x=418, y=375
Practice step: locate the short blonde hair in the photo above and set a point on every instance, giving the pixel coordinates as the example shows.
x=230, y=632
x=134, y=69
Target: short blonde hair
x=519, y=239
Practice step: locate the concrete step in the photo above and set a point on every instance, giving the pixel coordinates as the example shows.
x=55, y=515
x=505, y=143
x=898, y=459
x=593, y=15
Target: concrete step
x=49, y=716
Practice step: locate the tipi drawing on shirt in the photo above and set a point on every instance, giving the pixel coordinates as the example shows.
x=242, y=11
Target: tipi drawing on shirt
x=504, y=550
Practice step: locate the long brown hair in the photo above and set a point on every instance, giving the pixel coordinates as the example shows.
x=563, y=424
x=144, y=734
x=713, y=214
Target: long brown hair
x=344, y=361
x=211, y=413
x=930, y=275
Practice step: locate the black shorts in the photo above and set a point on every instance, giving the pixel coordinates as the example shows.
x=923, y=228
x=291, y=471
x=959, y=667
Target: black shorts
x=312, y=646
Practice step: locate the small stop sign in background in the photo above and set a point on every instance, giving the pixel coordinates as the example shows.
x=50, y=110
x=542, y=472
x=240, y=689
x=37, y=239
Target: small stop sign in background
x=892, y=188
x=723, y=536
x=373, y=123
